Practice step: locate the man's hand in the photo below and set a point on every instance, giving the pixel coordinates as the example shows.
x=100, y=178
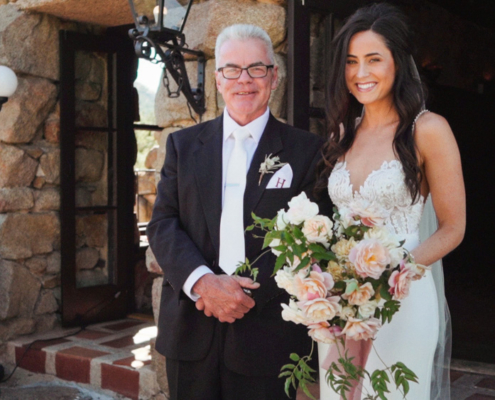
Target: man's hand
x=222, y=296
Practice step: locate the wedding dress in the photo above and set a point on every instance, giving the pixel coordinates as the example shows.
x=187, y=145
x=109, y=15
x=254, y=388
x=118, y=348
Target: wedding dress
x=413, y=334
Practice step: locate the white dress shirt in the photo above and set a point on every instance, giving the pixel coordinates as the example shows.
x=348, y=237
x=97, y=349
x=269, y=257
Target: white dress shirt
x=256, y=128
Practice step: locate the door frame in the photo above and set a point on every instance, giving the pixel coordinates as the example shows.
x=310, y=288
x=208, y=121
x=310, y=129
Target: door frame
x=81, y=306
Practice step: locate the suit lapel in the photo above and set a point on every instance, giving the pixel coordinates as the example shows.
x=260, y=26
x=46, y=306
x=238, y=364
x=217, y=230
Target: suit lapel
x=208, y=172
x=270, y=143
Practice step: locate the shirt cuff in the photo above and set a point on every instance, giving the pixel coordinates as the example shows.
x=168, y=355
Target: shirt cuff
x=192, y=279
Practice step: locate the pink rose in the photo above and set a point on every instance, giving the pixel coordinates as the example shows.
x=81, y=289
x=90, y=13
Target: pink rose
x=316, y=285
x=360, y=295
x=324, y=333
x=400, y=282
x=320, y=310
x=370, y=215
x=357, y=329
x=370, y=258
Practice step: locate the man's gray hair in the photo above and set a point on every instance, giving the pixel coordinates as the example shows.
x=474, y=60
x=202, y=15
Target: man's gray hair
x=244, y=32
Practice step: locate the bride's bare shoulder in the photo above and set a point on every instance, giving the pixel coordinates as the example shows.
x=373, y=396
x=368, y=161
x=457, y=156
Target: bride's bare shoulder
x=433, y=135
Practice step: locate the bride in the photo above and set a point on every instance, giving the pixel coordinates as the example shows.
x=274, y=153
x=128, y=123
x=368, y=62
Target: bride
x=390, y=151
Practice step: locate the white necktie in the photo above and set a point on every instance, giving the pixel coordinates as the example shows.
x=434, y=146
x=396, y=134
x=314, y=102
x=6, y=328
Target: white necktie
x=232, y=247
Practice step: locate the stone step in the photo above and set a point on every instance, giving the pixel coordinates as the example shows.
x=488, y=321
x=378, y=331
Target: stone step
x=113, y=355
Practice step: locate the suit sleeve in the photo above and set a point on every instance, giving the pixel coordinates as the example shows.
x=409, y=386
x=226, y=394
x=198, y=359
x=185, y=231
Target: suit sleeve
x=174, y=250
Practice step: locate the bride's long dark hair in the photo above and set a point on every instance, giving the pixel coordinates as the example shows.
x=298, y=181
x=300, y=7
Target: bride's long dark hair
x=343, y=108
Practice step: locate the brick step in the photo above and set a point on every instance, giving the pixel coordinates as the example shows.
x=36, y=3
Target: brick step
x=113, y=355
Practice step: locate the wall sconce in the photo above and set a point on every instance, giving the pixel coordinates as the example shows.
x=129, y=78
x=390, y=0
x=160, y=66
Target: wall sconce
x=8, y=84
x=161, y=25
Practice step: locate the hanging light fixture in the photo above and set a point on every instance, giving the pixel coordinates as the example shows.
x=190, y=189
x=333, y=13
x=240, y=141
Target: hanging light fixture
x=8, y=84
x=158, y=38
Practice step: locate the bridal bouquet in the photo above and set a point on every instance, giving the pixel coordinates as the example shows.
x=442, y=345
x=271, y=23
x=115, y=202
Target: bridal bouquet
x=346, y=279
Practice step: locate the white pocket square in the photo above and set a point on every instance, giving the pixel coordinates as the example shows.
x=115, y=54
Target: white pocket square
x=282, y=179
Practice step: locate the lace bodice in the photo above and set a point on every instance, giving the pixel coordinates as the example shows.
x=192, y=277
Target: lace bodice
x=384, y=187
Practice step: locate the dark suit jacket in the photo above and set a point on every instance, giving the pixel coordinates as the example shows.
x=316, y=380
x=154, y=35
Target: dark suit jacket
x=184, y=233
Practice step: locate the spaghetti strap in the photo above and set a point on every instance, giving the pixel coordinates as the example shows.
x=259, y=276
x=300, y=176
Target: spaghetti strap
x=417, y=117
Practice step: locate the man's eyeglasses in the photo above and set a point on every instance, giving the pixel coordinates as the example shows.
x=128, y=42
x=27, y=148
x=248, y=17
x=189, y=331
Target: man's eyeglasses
x=255, y=71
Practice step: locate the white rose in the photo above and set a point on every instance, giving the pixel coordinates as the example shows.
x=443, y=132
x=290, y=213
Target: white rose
x=346, y=219
x=292, y=313
x=285, y=280
x=367, y=310
x=301, y=209
x=384, y=235
x=347, y=312
x=318, y=230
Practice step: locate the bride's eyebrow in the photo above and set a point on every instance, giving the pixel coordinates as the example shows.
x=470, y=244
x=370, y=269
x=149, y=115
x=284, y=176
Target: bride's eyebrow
x=367, y=55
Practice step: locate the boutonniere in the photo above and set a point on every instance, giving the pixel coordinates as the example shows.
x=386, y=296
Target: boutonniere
x=269, y=166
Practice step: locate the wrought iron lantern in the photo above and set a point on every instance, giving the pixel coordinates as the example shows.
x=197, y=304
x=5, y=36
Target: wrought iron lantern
x=158, y=38
x=8, y=84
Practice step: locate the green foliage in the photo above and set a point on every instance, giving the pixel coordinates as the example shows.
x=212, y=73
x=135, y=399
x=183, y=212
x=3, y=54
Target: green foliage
x=390, y=307
x=343, y=375
x=402, y=376
x=298, y=375
x=379, y=379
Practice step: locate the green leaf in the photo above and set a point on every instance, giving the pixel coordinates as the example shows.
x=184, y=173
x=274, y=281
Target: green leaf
x=304, y=263
x=287, y=386
x=384, y=293
x=288, y=366
x=249, y=228
x=254, y=273
x=281, y=260
x=294, y=357
x=298, y=233
x=306, y=391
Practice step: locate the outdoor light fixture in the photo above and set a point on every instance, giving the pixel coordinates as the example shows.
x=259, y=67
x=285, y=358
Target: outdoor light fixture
x=159, y=23
x=8, y=84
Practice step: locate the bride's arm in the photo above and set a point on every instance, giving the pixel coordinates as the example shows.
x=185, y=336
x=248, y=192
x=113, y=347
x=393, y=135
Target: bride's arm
x=441, y=164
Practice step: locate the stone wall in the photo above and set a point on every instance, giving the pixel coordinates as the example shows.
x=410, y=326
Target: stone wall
x=30, y=170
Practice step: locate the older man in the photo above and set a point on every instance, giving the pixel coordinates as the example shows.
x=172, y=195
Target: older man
x=221, y=342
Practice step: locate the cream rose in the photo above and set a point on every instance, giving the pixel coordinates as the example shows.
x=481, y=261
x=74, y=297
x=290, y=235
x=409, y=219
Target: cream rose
x=319, y=310
x=336, y=270
x=324, y=333
x=358, y=295
x=357, y=329
x=347, y=312
x=370, y=258
x=301, y=209
x=367, y=310
x=400, y=282
x=292, y=313
x=318, y=230
x=343, y=247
